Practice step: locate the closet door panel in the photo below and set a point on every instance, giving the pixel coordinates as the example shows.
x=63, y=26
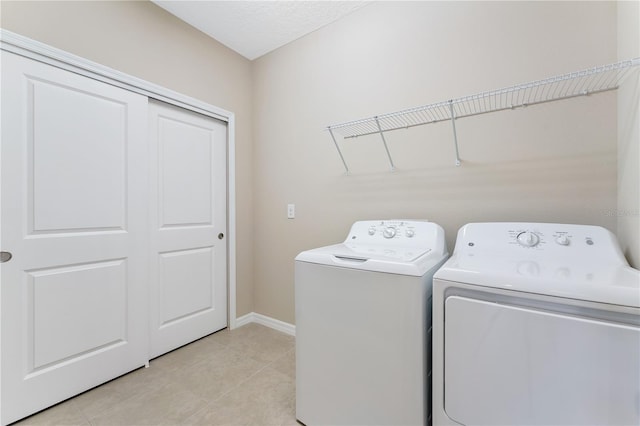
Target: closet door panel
x=185, y=173
x=85, y=134
x=74, y=215
x=188, y=226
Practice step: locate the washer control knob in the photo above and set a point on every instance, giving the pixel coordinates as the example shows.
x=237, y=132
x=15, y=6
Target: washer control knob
x=563, y=240
x=389, y=232
x=528, y=239
x=410, y=233
x=372, y=230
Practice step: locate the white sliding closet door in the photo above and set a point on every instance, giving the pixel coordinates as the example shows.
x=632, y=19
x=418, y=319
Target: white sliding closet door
x=188, y=226
x=74, y=215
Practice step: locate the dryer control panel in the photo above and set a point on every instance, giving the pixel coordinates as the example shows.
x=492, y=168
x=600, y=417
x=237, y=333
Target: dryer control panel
x=533, y=236
x=580, y=241
x=544, y=258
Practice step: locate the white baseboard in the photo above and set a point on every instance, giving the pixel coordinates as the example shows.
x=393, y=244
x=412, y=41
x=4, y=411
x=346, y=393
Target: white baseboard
x=282, y=326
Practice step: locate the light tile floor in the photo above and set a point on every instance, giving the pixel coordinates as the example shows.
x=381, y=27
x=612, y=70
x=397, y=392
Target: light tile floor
x=240, y=377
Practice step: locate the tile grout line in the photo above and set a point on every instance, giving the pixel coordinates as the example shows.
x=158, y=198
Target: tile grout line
x=238, y=385
x=245, y=380
x=233, y=388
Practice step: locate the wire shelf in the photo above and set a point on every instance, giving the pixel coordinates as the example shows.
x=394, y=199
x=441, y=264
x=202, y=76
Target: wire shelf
x=581, y=83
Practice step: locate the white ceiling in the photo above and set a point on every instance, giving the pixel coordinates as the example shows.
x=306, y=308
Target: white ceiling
x=254, y=28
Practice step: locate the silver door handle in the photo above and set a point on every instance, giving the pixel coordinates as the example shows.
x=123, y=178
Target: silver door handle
x=5, y=256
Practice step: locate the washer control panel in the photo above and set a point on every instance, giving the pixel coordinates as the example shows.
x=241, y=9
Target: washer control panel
x=391, y=232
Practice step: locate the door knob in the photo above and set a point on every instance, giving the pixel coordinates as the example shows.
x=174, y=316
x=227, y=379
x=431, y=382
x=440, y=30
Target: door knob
x=5, y=256
x=220, y=236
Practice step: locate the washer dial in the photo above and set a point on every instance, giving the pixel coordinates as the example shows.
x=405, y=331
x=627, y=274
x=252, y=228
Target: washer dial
x=389, y=232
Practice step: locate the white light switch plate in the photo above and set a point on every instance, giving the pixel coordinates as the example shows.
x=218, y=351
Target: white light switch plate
x=291, y=211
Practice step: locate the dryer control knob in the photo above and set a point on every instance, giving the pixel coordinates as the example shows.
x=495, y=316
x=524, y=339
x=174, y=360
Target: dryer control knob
x=372, y=230
x=410, y=233
x=528, y=239
x=389, y=232
x=563, y=240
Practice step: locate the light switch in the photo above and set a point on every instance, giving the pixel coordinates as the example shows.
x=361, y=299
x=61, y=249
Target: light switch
x=291, y=211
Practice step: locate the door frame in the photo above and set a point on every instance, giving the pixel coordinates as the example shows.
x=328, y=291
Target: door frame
x=24, y=46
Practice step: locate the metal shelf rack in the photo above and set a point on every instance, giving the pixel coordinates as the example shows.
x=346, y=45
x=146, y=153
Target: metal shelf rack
x=581, y=83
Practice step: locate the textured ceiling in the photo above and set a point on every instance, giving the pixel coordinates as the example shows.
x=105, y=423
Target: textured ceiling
x=253, y=28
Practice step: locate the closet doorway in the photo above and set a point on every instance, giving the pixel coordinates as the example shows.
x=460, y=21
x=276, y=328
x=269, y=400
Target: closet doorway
x=114, y=230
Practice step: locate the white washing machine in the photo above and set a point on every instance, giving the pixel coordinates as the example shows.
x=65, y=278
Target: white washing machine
x=363, y=323
x=536, y=324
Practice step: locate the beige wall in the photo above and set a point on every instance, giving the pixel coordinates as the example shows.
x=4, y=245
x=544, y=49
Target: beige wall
x=553, y=163
x=143, y=40
x=628, y=212
x=550, y=163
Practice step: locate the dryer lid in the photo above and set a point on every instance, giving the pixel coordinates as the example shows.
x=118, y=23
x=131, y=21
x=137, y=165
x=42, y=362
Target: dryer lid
x=569, y=261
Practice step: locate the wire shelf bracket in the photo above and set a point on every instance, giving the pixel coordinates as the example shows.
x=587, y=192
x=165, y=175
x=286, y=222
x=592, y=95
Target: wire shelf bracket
x=384, y=142
x=455, y=135
x=581, y=83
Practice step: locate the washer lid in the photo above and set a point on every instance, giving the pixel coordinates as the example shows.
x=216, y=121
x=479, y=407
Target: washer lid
x=589, y=267
x=414, y=261
x=404, y=247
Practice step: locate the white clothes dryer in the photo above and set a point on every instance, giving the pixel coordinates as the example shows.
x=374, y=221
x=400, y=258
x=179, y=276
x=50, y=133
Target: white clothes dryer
x=363, y=324
x=536, y=324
